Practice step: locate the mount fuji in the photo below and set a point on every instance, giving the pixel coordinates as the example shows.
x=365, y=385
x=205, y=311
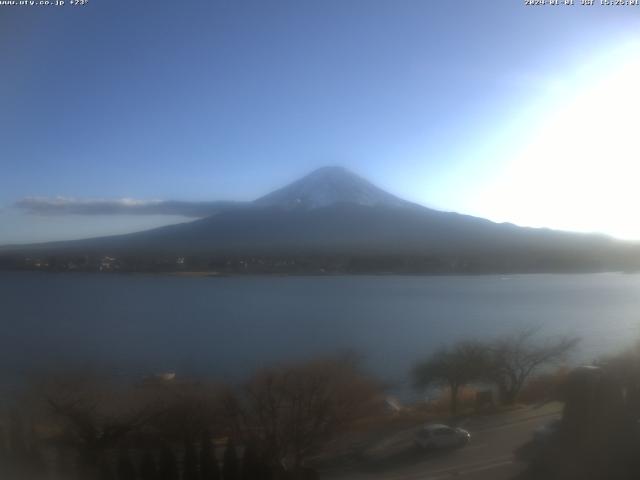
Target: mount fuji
x=350, y=224
x=329, y=186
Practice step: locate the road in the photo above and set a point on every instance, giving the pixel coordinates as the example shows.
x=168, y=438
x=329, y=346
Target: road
x=489, y=456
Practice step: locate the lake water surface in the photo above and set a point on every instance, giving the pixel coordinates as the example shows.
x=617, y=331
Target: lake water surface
x=229, y=326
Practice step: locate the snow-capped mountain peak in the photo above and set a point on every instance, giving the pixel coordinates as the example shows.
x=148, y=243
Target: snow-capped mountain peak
x=328, y=186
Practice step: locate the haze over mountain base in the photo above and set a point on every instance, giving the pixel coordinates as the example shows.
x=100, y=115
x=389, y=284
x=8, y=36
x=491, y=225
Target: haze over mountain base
x=333, y=221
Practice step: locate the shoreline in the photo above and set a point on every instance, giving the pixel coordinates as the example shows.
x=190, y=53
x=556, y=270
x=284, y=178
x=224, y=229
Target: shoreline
x=217, y=274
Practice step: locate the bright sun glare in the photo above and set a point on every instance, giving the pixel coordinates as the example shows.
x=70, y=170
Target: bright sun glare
x=578, y=169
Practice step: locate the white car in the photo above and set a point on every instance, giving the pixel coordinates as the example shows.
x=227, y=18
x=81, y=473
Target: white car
x=441, y=436
x=547, y=430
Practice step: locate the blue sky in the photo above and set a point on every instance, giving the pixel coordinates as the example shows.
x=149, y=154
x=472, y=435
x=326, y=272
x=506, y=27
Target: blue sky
x=478, y=107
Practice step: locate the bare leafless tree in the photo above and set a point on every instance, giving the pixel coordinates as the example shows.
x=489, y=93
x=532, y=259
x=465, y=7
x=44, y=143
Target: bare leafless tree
x=185, y=408
x=93, y=415
x=453, y=367
x=293, y=411
x=515, y=357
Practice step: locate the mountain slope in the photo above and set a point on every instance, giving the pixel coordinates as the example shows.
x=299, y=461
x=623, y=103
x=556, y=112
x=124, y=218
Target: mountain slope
x=333, y=212
x=329, y=186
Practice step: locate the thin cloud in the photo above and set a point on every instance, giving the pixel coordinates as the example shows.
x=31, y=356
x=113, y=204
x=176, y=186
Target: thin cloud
x=121, y=206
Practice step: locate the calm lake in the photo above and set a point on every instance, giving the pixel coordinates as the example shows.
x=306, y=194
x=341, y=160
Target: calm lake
x=141, y=324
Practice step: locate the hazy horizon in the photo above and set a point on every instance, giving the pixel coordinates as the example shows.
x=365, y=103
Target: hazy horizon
x=140, y=215
x=319, y=239
x=497, y=110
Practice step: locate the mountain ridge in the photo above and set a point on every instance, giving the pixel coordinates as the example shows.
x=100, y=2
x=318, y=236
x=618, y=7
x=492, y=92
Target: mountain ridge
x=334, y=215
x=326, y=186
